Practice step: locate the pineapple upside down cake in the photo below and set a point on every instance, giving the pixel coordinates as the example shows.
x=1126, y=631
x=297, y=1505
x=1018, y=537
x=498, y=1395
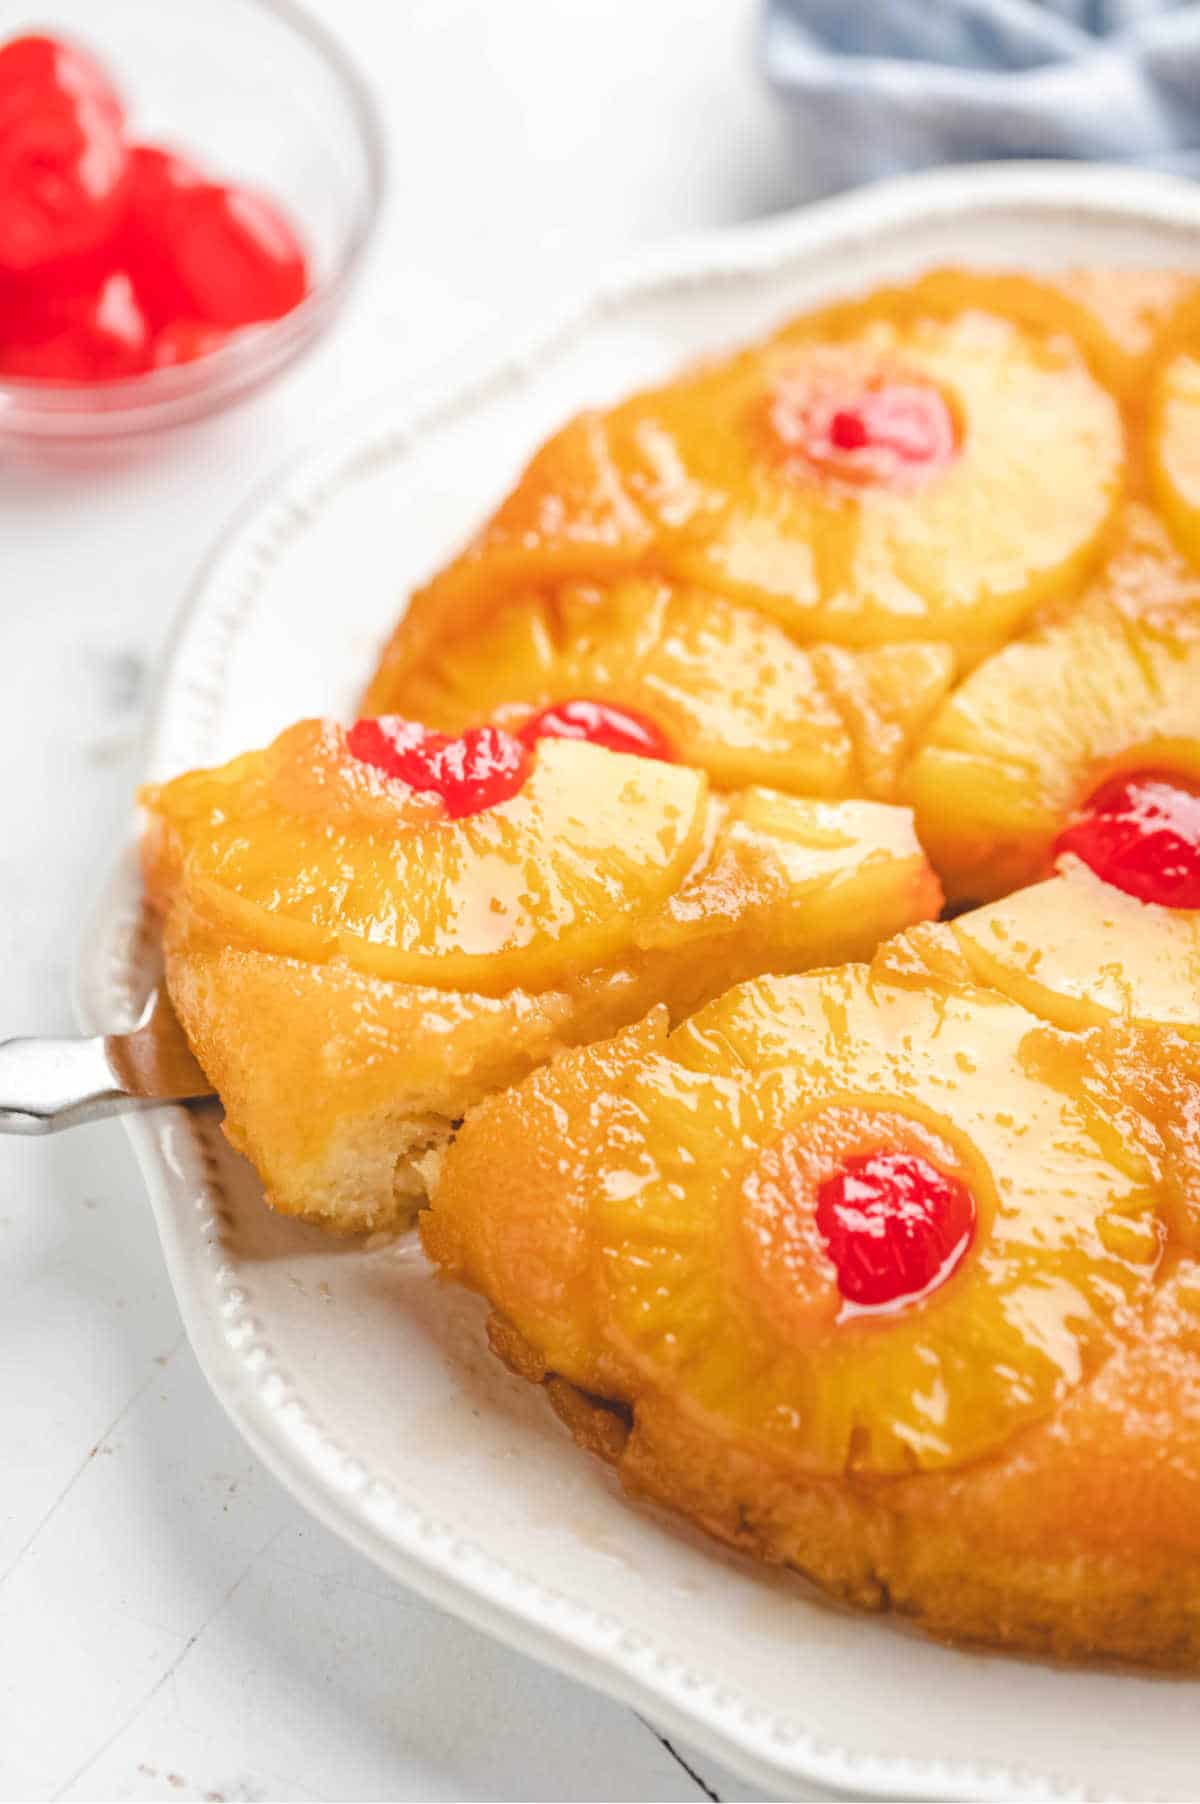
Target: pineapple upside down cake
x=366, y=932
x=607, y=939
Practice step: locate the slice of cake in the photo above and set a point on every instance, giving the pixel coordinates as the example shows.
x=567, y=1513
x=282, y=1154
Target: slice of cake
x=368, y=932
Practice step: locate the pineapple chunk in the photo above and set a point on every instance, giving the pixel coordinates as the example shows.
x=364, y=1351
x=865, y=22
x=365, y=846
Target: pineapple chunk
x=665, y=1276
x=734, y=694
x=785, y=885
x=1077, y=952
x=1032, y=732
x=887, y=694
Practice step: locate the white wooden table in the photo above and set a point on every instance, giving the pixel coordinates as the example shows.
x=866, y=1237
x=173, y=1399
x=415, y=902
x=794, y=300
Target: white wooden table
x=171, y=1624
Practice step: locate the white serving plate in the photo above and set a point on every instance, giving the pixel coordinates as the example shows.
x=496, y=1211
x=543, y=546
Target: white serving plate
x=367, y=1388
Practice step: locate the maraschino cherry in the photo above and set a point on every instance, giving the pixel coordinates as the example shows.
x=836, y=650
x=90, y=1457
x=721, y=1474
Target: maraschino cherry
x=210, y=252
x=90, y=326
x=64, y=163
x=890, y=433
x=476, y=770
x=486, y=765
x=893, y=1225
x=618, y=729
x=1141, y=833
x=118, y=257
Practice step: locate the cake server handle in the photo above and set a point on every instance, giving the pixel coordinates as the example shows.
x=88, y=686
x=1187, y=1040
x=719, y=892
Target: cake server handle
x=47, y=1084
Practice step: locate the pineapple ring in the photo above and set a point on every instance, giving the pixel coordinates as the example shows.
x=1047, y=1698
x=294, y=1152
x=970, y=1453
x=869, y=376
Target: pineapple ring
x=1078, y=952
x=687, y=481
x=964, y=557
x=639, y=1154
x=1067, y=1225
x=1034, y=731
x=734, y=694
x=303, y=850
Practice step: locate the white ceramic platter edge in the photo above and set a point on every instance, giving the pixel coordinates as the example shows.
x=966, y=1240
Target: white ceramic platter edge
x=363, y=1385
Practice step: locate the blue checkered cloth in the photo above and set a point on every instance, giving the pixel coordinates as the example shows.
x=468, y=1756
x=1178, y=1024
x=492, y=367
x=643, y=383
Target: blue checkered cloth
x=879, y=86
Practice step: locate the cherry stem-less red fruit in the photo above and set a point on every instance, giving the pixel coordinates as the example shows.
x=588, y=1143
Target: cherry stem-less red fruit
x=895, y=1226
x=234, y=254
x=63, y=157
x=1141, y=833
x=117, y=258
x=893, y=432
x=616, y=728
x=92, y=332
x=478, y=769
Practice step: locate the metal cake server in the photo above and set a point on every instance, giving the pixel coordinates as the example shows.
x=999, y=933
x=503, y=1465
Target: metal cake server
x=47, y=1084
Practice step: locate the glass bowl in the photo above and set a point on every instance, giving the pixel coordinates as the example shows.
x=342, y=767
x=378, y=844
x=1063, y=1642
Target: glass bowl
x=258, y=93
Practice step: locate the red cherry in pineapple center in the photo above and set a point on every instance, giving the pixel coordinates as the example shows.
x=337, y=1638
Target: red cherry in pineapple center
x=603, y=723
x=893, y=1225
x=1141, y=833
x=892, y=433
x=482, y=767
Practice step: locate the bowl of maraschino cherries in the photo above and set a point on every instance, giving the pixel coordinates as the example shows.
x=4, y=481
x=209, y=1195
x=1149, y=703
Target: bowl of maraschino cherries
x=143, y=283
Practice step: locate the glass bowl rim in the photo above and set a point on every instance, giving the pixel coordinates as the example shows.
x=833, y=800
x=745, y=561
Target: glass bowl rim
x=256, y=352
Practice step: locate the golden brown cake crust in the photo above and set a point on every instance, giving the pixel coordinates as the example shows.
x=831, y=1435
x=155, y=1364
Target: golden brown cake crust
x=1079, y=1541
x=306, y=1060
